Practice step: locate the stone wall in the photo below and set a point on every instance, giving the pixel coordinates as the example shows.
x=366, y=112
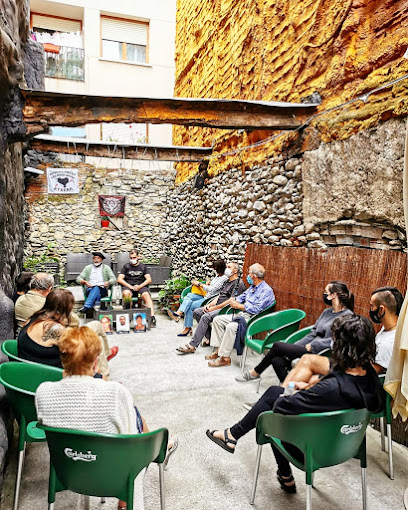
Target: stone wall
x=344, y=193
x=72, y=223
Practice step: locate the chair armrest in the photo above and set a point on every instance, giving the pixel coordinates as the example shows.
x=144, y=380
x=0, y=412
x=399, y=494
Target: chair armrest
x=35, y=434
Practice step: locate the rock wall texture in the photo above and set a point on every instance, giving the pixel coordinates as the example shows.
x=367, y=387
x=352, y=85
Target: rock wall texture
x=344, y=193
x=286, y=51
x=72, y=223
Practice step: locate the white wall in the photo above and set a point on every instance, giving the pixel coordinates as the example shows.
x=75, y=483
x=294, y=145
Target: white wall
x=154, y=79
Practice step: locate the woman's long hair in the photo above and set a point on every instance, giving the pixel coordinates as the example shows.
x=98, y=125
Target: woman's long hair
x=57, y=308
x=345, y=296
x=353, y=342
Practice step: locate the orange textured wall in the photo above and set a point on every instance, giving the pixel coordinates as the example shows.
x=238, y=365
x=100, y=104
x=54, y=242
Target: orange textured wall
x=285, y=50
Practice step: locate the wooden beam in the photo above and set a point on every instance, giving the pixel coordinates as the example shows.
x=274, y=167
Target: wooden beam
x=81, y=147
x=44, y=109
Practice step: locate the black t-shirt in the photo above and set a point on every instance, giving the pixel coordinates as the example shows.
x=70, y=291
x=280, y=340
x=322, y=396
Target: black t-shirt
x=231, y=289
x=134, y=275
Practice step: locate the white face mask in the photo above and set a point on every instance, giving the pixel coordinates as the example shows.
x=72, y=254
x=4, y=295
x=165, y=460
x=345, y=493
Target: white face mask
x=228, y=272
x=97, y=264
x=134, y=261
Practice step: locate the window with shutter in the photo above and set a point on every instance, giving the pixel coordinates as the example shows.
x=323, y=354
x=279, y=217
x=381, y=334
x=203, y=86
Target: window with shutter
x=55, y=24
x=124, y=39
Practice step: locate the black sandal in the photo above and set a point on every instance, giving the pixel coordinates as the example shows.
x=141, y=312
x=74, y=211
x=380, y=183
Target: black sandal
x=290, y=489
x=222, y=442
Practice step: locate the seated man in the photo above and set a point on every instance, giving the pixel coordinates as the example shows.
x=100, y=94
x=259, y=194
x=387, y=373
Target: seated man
x=253, y=301
x=28, y=304
x=204, y=316
x=136, y=278
x=385, y=306
x=97, y=277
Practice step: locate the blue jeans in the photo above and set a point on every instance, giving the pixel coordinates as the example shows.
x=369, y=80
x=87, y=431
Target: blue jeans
x=189, y=304
x=94, y=294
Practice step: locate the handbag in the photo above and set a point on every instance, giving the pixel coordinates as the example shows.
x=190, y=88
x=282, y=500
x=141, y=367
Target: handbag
x=198, y=290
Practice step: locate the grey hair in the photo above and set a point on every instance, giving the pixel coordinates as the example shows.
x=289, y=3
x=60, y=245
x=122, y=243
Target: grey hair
x=42, y=281
x=234, y=264
x=257, y=270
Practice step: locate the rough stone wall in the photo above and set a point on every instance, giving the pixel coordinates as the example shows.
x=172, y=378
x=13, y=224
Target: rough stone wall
x=286, y=51
x=344, y=193
x=72, y=223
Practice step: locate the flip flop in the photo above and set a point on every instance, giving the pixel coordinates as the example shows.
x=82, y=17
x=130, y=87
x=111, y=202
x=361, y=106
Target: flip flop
x=222, y=442
x=170, y=452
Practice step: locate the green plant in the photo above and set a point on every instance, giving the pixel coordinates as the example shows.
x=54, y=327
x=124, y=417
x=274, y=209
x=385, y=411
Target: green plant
x=105, y=218
x=37, y=262
x=150, y=260
x=172, y=287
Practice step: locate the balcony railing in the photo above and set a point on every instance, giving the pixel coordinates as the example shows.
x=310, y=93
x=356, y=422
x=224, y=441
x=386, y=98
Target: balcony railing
x=68, y=63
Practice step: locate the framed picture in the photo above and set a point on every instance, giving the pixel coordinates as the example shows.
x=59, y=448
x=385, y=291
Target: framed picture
x=122, y=323
x=139, y=322
x=107, y=323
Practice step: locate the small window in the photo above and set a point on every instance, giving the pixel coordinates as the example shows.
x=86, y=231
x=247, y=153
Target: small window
x=124, y=40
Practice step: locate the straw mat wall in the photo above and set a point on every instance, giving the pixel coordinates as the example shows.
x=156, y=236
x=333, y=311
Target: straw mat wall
x=298, y=275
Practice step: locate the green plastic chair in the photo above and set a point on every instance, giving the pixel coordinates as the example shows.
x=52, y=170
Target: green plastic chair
x=298, y=335
x=279, y=325
x=107, y=299
x=184, y=293
x=385, y=418
x=325, y=439
x=10, y=349
x=112, y=462
x=21, y=381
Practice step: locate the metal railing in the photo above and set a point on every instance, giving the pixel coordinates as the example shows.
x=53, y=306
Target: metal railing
x=68, y=64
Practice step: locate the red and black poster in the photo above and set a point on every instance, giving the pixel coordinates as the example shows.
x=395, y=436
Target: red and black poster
x=111, y=205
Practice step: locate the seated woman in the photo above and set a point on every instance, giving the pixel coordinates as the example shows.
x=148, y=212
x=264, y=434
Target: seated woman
x=352, y=383
x=22, y=285
x=281, y=355
x=39, y=339
x=193, y=301
x=89, y=404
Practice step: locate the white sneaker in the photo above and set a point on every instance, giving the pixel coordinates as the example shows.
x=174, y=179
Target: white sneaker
x=246, y=377
x=248, y=405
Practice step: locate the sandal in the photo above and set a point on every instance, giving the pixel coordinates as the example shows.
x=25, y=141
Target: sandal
x=222, y=442
x=220, y=362
x=186, y=349
x=170, y=451
x=205, y=344
x=290, y=489
x=122, y=505
x=213, y=355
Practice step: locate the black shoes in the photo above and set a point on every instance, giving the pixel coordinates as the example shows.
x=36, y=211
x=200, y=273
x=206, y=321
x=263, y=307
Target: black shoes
x=153, y=322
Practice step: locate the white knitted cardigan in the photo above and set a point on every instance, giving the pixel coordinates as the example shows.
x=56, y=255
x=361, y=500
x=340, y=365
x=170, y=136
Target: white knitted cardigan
x=86, y=403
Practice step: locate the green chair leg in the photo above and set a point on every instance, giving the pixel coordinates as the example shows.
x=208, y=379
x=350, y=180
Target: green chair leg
x=382, y=431
x=257, y=465
x=243, y=358
x=87, y=503
x=308, y=497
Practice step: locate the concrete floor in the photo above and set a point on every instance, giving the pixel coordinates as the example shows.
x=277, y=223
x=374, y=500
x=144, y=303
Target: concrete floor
x=183, y=394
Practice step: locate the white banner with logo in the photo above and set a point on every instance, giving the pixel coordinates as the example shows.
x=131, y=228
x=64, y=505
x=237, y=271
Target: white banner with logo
x=62, y=180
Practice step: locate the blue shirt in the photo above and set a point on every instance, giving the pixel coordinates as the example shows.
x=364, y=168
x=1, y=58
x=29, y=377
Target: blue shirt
x=257, y=298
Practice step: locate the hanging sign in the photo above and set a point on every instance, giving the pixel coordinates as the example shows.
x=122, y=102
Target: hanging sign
x=62, y=180
x=111, y=205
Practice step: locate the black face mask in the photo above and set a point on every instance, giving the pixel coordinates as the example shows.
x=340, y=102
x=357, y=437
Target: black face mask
x=325, y=300
x=376, y=317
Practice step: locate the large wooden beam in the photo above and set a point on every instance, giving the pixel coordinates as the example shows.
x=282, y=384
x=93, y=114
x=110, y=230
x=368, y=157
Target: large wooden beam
x=46, y=143
x=43, y=109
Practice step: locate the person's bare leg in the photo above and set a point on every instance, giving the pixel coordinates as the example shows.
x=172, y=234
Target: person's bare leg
x=148, y=302
x=127, y=293
x=309, y=364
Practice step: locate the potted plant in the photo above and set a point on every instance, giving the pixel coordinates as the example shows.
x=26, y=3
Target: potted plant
x=127, y=302
x=47, y=262
x=169, y=296
x=105, y=221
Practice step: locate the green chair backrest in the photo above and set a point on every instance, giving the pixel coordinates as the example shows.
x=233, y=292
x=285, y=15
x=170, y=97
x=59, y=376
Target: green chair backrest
x=184, y=293
x=298, y=335
x=21, y=381
x=102, y=465
x=207, y=300
x=326, y=439
x=281, y=324
x=9, y=348
x=387, y=412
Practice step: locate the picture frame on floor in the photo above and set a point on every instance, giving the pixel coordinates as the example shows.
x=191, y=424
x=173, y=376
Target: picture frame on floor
x=122, y=323
x=139, y=322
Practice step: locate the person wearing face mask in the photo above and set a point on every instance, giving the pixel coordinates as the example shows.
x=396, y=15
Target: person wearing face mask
x=385, y=306
x=193, y=301
x=234, y=286
x=97, y=278
x=136, y=278
x=341, y=302
x=253, y=301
